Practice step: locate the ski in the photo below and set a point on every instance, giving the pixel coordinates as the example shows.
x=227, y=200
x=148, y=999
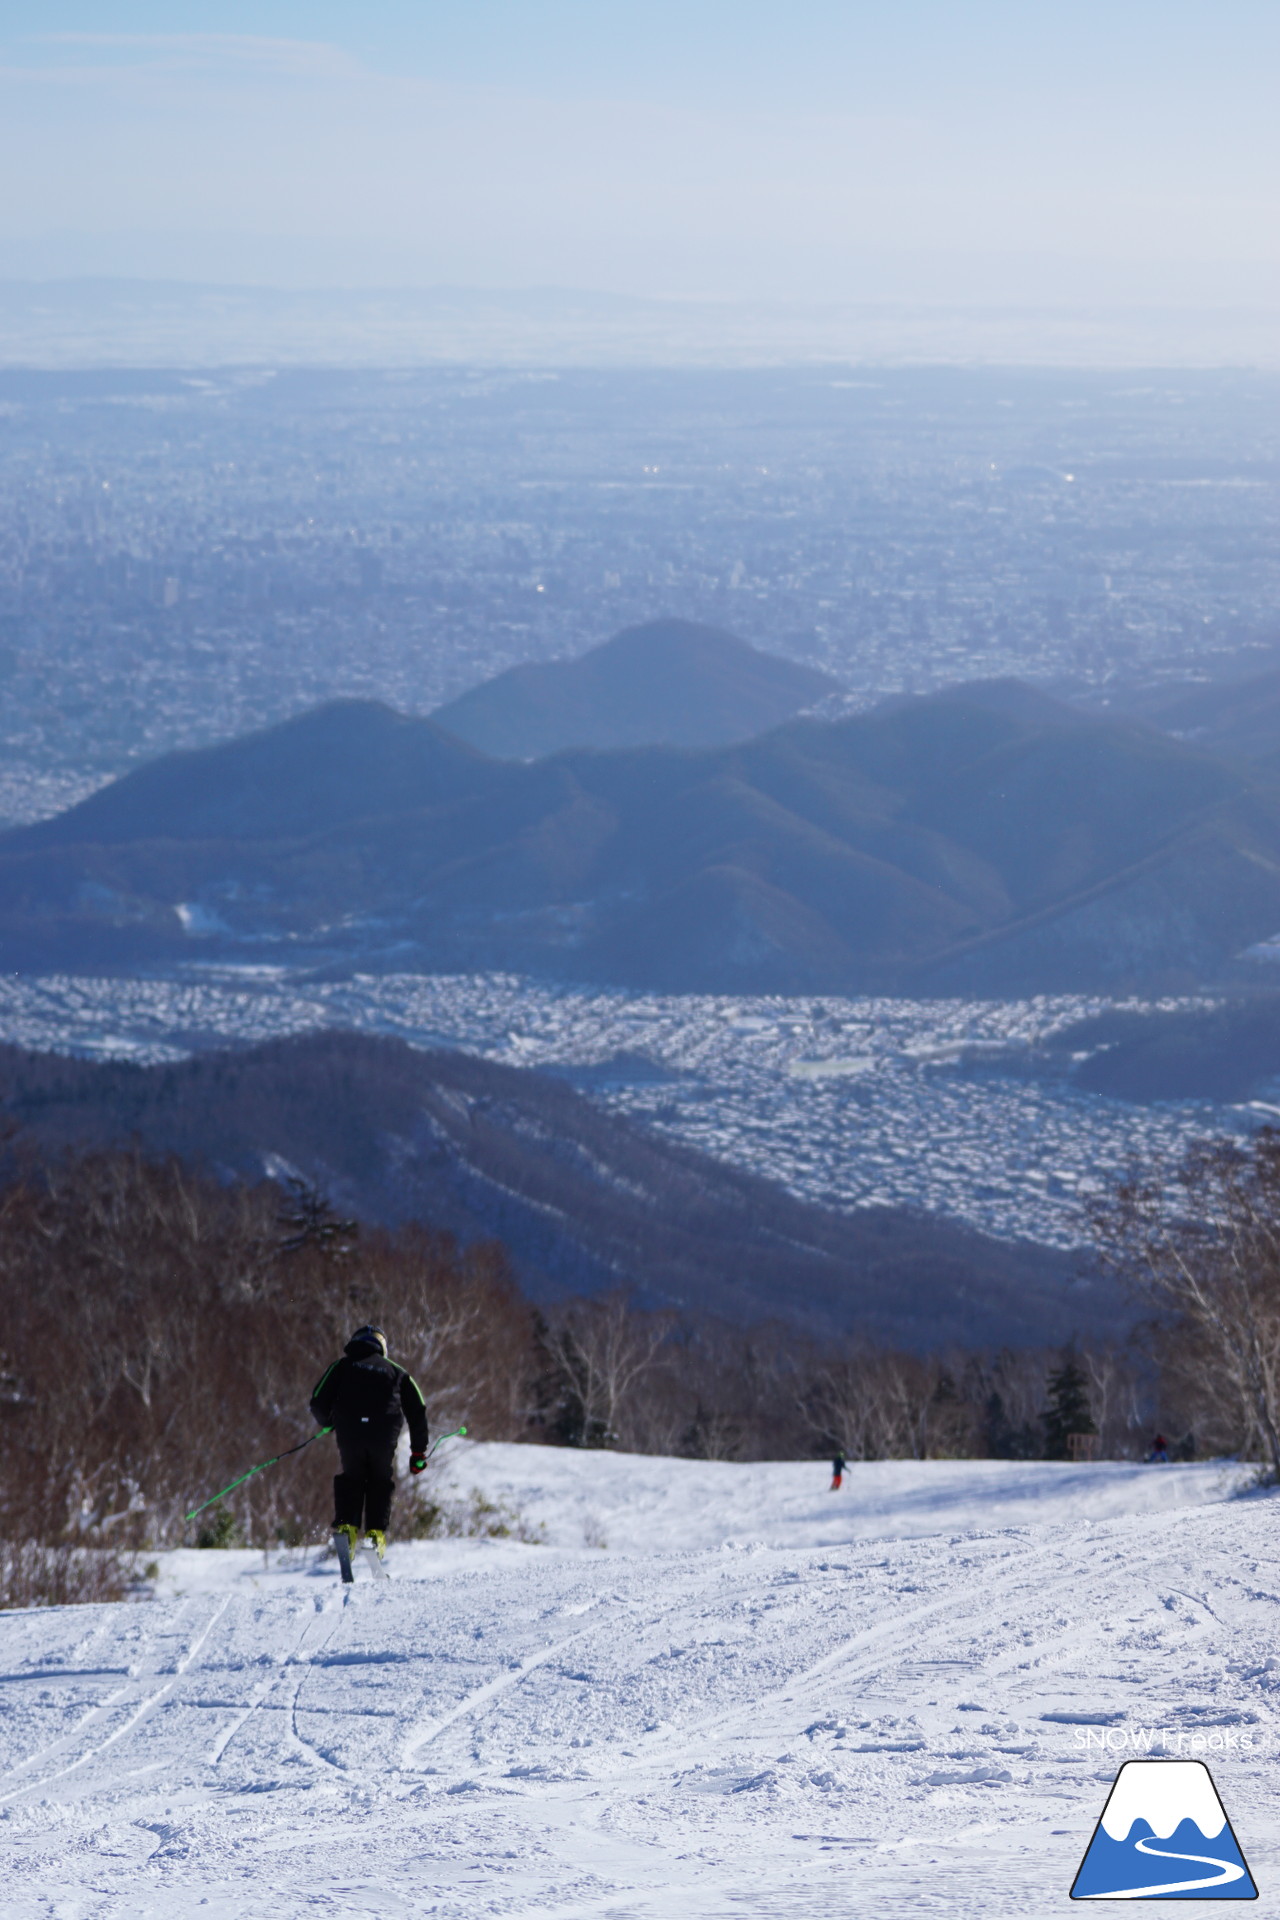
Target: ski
x=374, y=1558
x=342, y=1547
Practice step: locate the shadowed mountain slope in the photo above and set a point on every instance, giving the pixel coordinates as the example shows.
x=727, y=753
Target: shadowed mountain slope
x=583, y=1200
x=1225, y=1053
x=985, y=839
x=668, y=683
x=1239, y=719
x=349, y=759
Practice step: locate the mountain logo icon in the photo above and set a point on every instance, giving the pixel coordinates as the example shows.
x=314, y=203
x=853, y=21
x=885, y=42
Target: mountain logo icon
x=1164, y=1835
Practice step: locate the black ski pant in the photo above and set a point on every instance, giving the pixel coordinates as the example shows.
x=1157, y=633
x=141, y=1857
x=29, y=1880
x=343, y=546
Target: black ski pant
x=362, y=1491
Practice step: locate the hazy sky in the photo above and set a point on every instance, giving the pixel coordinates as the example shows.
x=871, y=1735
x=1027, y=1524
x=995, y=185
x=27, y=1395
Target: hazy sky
x=971, y=150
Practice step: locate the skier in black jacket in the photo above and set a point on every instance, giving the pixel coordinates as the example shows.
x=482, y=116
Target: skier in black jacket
x=366, y=1399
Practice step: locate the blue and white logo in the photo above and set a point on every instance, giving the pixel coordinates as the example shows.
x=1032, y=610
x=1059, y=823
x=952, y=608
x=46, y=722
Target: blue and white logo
x=1164, y=1835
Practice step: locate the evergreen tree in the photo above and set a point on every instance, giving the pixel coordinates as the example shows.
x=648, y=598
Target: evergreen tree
x=309, y=1220
x=1068, y=1409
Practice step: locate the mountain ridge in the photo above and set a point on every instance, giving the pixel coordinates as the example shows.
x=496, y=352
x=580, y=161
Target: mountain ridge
x=296, y=773
x=983, y=839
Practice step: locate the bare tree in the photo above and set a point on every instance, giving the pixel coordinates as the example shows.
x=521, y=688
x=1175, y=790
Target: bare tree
x=156, y=1340
x=604, y=1350
x=876, y=1405
x=1202, y=1246
x=1116, y=1399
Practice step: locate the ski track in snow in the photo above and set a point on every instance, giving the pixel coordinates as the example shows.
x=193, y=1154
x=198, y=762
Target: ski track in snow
x=888, y=1725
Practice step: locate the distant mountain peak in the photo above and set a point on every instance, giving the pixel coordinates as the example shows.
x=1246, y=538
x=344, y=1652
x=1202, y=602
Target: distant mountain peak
x=1003, y=694
x=343, y=760
x=664, y=683
x=671, y=642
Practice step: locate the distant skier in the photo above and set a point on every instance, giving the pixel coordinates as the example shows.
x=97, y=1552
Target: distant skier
x=1159, y=1451
x=838, y=1466
x=366, y=1398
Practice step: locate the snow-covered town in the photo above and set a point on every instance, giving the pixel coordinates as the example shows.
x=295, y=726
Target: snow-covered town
x=851, y=1102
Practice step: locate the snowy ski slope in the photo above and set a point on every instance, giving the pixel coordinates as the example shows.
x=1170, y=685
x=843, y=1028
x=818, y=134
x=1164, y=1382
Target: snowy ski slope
x=639, y=1504
x=687, y=1729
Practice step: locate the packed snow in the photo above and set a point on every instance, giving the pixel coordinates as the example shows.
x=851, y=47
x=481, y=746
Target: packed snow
x=640, y=1504
x=750, y=1696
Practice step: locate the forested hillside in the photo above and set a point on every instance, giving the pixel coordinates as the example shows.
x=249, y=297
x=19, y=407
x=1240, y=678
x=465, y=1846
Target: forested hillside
x=583, y=1201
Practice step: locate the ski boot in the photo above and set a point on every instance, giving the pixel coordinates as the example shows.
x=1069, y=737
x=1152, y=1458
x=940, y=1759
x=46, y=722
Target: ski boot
x=375, y=1544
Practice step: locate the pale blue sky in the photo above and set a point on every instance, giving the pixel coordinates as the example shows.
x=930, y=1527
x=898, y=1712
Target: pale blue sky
x=911, y=149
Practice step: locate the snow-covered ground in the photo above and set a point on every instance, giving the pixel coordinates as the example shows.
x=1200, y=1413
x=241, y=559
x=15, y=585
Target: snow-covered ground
x=827, y=1724
x=635, y=1503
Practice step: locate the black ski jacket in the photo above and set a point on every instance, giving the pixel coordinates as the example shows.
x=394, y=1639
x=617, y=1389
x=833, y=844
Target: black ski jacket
x=365, y=1393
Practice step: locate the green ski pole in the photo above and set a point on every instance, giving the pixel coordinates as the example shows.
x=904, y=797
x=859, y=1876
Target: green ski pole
x=276, y=1458
x=260, y=1468
x=457, y=1434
